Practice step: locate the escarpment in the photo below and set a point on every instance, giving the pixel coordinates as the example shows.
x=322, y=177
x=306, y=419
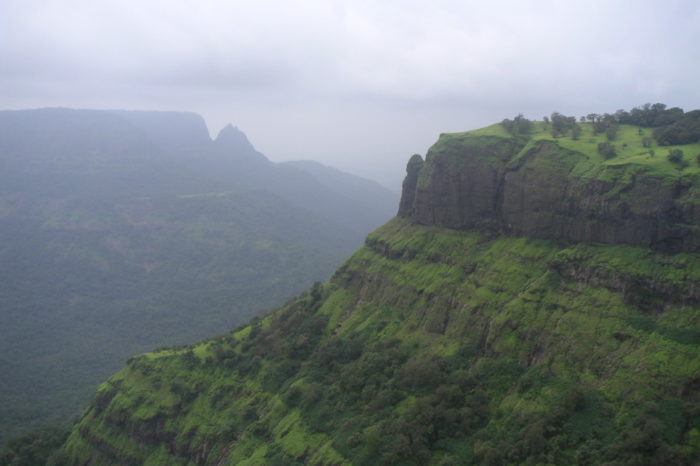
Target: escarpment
x=443, y=341
x=541, y=189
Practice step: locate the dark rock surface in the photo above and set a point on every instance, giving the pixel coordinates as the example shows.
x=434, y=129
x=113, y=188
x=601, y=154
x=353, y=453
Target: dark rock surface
x=492, y=183
x=408, y=194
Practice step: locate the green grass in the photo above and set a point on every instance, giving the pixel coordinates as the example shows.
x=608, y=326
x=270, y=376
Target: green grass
x=631, y=153
x=505, y=324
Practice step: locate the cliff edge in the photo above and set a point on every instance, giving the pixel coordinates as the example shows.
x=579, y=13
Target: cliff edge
x=557, y=188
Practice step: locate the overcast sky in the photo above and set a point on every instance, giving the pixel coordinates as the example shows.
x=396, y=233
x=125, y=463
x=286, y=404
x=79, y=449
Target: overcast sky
x=360, y=85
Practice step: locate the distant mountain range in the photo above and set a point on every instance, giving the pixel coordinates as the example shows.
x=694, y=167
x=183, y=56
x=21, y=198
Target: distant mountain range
x=124, y=230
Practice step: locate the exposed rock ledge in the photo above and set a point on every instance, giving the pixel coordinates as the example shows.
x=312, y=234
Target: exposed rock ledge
x=504, y=185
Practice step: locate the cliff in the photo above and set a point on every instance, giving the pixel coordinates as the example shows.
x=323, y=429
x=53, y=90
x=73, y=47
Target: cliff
x=557, y=189
x=446, y=339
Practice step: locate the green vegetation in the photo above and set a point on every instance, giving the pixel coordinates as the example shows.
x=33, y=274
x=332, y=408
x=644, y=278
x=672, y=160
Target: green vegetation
x=431, y=346
x=94, y=285
x=125, y=231
x=607, y=150
x=461, y=345
x=39, y=447
x=518, y=125
x=675, y=156
x=595, y=181
x=631, y=140
x=623, y=139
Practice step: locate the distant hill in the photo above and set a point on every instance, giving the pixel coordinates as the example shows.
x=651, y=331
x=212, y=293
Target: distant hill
x=351, y=187
x=121, y=231
x=536, y=301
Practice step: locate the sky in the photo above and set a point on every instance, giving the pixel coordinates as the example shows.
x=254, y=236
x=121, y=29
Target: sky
x=358, y=85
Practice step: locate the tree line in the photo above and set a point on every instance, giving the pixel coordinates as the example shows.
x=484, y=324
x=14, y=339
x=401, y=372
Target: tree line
x=671, y=126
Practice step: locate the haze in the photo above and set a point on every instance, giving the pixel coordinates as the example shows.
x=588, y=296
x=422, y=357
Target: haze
x=358, y=85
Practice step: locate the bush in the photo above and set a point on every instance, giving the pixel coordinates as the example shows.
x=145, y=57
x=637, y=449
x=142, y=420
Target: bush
x=561, y=124
x=675, y=156
x=607, y=150
x=518, y=125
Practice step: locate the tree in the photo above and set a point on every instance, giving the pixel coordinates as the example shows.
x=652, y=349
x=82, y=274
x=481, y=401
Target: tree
x=561, y=124
x=611, y=132
x=649, y=115
x=607, y=150
x=685, y=130
x=621, y=115
x=575, y=132
x=603, y=123
x=35, y=447
x=518, y=125
x=675, y=156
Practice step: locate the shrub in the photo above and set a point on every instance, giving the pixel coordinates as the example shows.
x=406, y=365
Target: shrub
x=607, y=150
x=675, y=156
x=518, y=125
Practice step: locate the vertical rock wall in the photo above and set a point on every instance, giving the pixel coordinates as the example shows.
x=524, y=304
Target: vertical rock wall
x=502, y=185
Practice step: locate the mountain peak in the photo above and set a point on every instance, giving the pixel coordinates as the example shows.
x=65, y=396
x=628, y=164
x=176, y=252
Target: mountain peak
x=233, y=140
x=231, y=135
x=229, y=128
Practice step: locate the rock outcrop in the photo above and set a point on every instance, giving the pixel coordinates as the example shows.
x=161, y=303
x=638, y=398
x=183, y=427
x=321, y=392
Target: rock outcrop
x=539, y=189
x=408, y=194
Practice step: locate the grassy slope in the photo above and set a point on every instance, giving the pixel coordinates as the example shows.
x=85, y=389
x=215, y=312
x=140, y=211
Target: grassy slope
x=430, y=346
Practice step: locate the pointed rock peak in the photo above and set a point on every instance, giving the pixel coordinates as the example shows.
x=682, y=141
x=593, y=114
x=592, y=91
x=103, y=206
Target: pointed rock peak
x=233, y=137
x=229, y=128
x=233, y=142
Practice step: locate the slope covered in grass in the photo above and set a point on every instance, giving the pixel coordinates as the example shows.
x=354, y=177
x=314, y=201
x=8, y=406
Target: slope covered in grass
x=431, y=346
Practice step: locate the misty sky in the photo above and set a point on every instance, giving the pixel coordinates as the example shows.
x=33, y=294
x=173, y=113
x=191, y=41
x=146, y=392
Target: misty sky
x=360, y=85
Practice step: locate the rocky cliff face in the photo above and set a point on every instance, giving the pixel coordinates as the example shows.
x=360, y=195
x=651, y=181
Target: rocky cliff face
x=540, y=189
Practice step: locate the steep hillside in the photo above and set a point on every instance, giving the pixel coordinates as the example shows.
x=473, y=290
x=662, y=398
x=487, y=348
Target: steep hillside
x=431, y=346
x=471, y=344
x=125, y=231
